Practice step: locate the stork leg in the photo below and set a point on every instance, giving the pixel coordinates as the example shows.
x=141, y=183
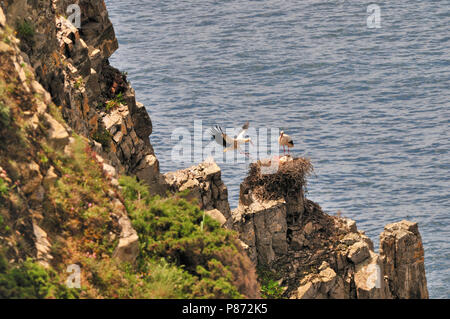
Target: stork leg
x=245, y=153
x=284, y=149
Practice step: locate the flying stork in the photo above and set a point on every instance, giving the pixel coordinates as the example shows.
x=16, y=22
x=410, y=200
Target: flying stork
x=228, y=142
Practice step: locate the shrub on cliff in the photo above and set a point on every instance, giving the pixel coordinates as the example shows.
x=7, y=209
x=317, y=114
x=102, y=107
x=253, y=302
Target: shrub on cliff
x=77, y=203
x=270, y=287
x=4, y=114
x=71, y=198
x=107, y=278
x=4, y=189
x=78, y=206
x=171, y=228
x=30, y=280
x=25, y=31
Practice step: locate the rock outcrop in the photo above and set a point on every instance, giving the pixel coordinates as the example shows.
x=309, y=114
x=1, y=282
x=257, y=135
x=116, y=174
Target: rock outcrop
x=204, y=184
x=323, y=256
x=96, y=99
x=402, y=259
x=55, y=65
x=127, y=249
x=24, y=200
x=263, y=228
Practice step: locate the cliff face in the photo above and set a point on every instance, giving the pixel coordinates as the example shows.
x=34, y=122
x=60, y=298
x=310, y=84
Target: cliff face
x=69, y=126
x=204, y=184
x=95, y=98
x=314, y=255
x=322, y=256
x=32, y=132
x=402, y=259
x=59, y=179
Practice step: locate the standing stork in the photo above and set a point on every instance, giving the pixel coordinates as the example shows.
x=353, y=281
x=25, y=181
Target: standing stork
x=285, y=140
x=228, y=142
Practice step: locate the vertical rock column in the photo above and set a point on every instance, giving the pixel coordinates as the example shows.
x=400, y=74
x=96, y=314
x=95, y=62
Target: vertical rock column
x=263, y=229
x=402, y=257
x=205, y=185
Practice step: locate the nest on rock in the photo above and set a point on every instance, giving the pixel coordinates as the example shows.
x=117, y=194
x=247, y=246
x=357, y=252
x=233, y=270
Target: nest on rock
x=288, y=181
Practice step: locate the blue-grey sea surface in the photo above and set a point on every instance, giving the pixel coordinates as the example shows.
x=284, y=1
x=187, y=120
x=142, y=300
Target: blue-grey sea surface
x=369, y=106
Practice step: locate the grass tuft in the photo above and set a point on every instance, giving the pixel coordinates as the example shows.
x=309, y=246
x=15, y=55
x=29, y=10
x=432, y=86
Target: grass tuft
x=118, y=99
x=25, y=30
x=170, y=228
x=4, y=115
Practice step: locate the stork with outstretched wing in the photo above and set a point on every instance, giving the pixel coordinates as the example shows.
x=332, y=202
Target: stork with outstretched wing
x=228, y=142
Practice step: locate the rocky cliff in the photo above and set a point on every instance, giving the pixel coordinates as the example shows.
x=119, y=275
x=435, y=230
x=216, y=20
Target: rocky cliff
x=70, y=126
x=204, y=184
x=71, y=131
x=32, y=130
x=69, y=70
x=316, y=255
x=96, y=99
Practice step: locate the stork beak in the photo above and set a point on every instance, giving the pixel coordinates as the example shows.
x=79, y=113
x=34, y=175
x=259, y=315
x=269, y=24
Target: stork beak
x=252, y=143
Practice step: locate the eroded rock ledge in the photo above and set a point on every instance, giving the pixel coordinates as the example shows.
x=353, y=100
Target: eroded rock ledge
x=95, y=98
x=32, y=176
x=323, y=256
x=203, y=182
x=317, y=255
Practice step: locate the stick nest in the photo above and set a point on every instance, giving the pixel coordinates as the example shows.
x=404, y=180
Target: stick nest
x=288, y=181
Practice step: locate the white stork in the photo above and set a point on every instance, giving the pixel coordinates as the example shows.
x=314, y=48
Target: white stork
x=285, y=140
x=228, y=142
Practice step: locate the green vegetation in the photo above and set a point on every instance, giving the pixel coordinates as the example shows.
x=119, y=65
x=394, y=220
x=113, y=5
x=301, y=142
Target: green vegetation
x=5, y=38
x=25, y=30
x=166, y=280
x=183, y=253
x=161, y=280
x=79, y=206
x=270, y=288
x=4, y=189
x=171, y=228
x=3, y=227
x=78, y=83
x=6, y=33
x=43, y=159
x=4, y=115
x=55, y=112
x=30, y=280
x=103, y=137
x=177, y=258
x=118, y=99
x=78, y=200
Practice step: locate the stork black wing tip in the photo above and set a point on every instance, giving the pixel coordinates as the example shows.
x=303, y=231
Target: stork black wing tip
x=215, y=132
